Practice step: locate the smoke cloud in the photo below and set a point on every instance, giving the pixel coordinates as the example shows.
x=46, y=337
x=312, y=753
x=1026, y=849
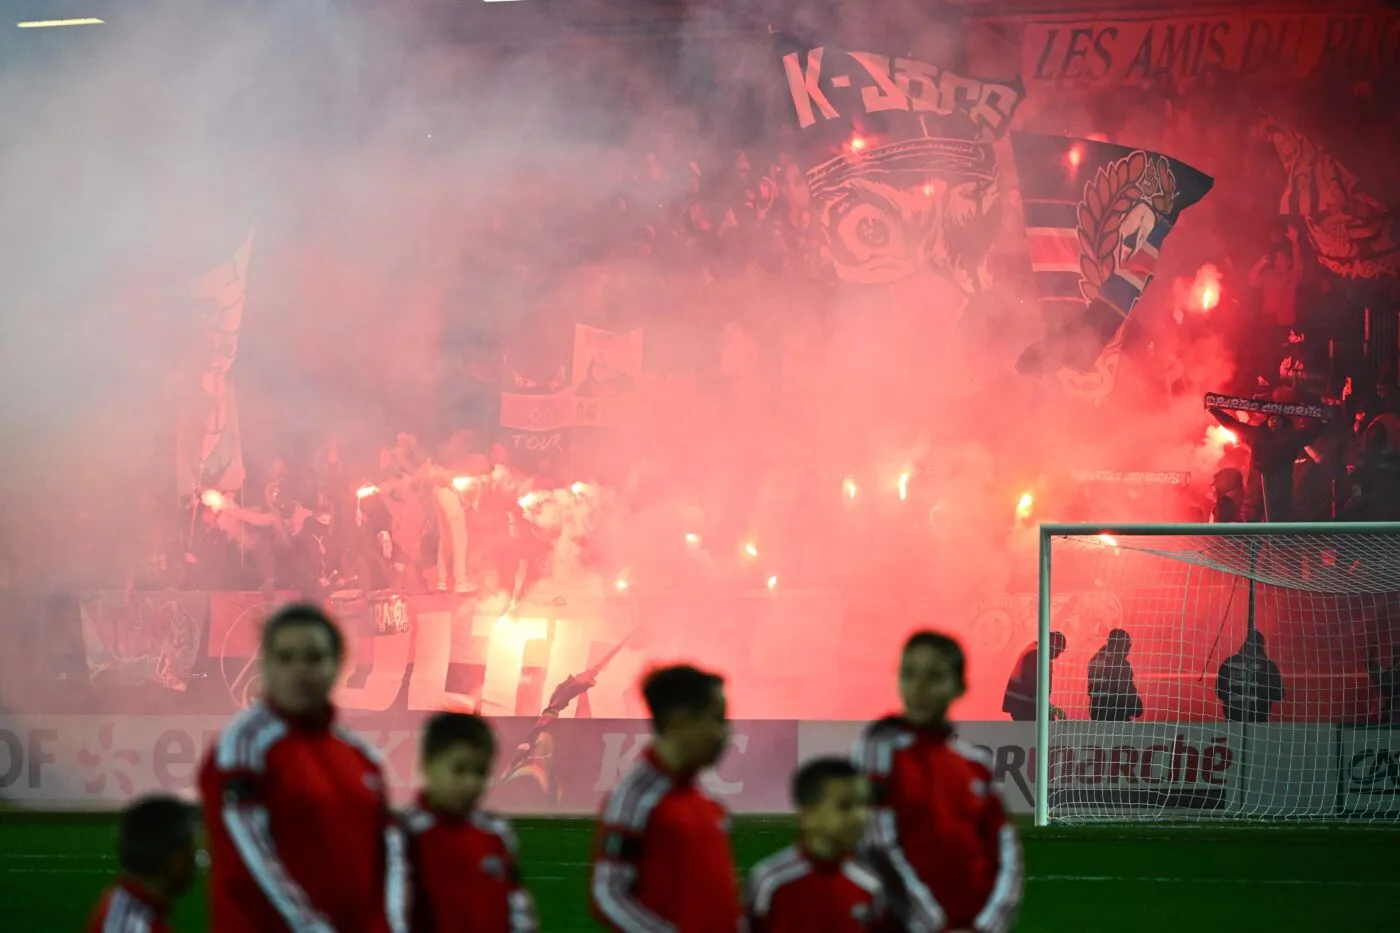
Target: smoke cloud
x=424, y=209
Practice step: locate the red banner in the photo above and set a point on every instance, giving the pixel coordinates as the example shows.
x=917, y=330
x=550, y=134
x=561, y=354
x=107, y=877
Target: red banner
x=1131, y=49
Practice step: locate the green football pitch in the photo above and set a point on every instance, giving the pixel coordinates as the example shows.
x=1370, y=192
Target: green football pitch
x=1080, y=879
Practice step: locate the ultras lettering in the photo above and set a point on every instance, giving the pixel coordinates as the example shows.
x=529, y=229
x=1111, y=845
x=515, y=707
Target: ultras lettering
x=891, y=84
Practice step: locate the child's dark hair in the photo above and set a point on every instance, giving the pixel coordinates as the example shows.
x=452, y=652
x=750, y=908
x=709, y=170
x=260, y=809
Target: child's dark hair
x=809, y=783
x=299, y=614
x=945, y=645
x=678, y=689
x=444, y=730
x=153, y=830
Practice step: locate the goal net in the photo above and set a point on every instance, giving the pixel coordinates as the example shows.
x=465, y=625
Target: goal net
x=1232, y=672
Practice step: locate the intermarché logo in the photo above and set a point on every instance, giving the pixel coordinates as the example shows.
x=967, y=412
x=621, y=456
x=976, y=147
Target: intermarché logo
x=1376, y=771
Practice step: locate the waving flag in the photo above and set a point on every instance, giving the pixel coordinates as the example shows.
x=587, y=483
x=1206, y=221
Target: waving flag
x=209, y=449
x=1097, y=216
x=1352, y=232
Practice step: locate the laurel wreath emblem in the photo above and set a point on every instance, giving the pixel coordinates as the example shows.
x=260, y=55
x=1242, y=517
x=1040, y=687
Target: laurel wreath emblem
x=1116, y=188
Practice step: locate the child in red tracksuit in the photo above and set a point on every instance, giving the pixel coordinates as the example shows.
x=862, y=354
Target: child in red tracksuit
x=462, y=860
x=816, y=886
x=156, y=852
x=300, y=831
x=939, y=835
x=663, y=863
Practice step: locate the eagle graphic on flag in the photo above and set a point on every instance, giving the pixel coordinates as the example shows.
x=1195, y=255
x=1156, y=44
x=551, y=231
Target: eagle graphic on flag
x=1097, y=216
x=1351, y=232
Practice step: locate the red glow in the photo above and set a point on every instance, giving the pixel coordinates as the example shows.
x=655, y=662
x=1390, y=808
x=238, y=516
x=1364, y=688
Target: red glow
x=1205, y=290
x=858, y=143
x=1074, y=156
x=1221, y=435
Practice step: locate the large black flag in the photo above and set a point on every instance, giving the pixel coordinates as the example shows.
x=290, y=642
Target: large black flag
x=1097, y=216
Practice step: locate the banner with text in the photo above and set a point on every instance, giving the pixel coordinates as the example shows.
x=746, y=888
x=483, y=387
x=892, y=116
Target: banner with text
x=96, y=762
x=1131, y=49
x=900, y=167
x=537, y=410
x=1124, y=769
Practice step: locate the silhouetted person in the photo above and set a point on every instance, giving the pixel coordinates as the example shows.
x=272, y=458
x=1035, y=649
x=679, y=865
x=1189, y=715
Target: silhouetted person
x=1273, y=446
x=1249, y=684
x=1386, y=680
x=1019, y=702
x=1229, y=496
x=1113, y=695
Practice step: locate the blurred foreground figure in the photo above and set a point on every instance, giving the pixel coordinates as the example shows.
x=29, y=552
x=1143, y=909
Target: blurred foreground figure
x=156, y=852
x=939, y=836
x=663, y=860
x=817, y=886
x=465, y=875
x=295, y=805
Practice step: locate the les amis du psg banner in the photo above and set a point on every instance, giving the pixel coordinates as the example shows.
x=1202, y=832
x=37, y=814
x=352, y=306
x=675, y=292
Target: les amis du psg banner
x=899, y=162
x=1117, y=48
x=1097, y=217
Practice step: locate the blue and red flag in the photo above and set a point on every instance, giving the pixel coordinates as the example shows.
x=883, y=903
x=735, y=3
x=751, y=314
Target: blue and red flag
x=1097, y=216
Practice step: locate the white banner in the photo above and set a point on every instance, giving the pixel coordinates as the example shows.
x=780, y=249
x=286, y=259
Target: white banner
x=1162, y=768
x=1369, y=783
x=1104, y=769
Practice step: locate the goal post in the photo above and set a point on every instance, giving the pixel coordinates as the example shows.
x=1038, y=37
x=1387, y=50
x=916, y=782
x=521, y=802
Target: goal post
x=1196, y=672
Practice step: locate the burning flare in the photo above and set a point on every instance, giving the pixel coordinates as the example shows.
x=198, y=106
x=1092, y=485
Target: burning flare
x=213, y=499
x=365, y=491
x=462, y=483
x=773, y=581
x=1109, y=540
x=1221, y=435
x=904, y=486
x=848, y=488
x=751, y=549
x=1024, y=506
x=1205, y=290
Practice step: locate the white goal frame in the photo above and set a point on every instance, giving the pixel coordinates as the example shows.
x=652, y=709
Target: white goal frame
x=1048, y=532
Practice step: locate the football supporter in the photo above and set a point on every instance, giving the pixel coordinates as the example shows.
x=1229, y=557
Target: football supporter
x=663, y=862
x=156, y=853
x=939, y=836
x=817, y=886
x=295, y=803
x=462, y=860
